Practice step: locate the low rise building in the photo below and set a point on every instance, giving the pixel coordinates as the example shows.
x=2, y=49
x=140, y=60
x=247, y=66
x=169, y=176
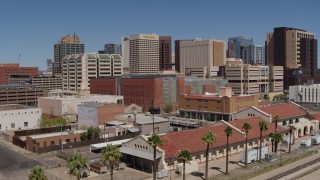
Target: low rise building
x=289, y=114
x=146, y=122
x=67, y=106
x=215, y=107
x=21, y=94
x=305, y=93
x=137, y=151
x=14, y=117
x=97, y=114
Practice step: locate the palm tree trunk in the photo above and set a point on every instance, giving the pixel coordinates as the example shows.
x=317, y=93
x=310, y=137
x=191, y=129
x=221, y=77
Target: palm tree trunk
x=227, y=156
x=154, y=163
x=260, y=145
x=207, y=154
x=246, y=151
x=272, y=145
x=111, y=171
x=184, y=171
x=275, y=146
x=290, y=141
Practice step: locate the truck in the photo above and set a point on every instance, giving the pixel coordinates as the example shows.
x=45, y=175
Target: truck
x=305, y=143
x=253, y=154
x=315, y=140
x=285, y=141
x=191, y=167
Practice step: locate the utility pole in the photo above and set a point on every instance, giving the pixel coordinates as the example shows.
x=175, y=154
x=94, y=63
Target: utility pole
x=61, y=140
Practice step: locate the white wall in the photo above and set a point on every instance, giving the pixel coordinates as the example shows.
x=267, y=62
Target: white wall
x=18, y=117
x=87, y=116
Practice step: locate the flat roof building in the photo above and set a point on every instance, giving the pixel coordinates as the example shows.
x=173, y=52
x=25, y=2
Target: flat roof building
x=8, y=71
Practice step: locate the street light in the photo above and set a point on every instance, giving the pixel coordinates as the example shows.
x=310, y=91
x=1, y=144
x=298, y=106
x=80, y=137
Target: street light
x=174, y=157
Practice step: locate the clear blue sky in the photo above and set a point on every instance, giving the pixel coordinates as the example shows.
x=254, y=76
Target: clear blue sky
x=31, y=27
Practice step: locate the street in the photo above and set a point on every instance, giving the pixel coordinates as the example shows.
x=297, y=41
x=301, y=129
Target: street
x=14, y=165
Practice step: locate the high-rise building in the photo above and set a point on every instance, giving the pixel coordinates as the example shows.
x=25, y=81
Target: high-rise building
x=143, y=53
x=165, y=55
x=199, y=54
x=68, y=45
x=112, y=48
x=79, y=68
x=244, y=48
x=296, y=51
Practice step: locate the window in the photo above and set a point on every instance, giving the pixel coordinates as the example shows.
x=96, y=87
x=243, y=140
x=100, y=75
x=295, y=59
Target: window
x=297, y=120
x=13, y=125
x=0, y=126
x=25, y=124
x=52, y=143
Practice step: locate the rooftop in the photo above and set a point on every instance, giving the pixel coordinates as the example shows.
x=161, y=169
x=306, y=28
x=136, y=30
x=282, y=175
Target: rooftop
x=13, y=107
x=47, y=135
x=91, y=97
x=284, y=110
x=145, y=119
x=191, y=139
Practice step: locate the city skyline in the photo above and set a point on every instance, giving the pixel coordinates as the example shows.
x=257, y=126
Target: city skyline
x=33, y=27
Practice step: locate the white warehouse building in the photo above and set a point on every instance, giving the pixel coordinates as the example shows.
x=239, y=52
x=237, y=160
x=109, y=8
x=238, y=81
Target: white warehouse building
x=15, y=117
x=67, y=106
x=305, y=93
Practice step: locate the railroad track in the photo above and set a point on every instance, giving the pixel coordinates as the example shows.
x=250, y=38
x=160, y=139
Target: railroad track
x=295, y=169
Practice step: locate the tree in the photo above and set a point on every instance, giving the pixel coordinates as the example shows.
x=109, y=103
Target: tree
x=91, y=134
x=263, y=127
x=208, y=139
x=246, y=128
x=168, y=108
x=154, y=141
x=46, y=122
x=266, y=97
x=76, y=163
x=277, y=138
x=37, y=174
x=271, y=135
x=112, y=155
x=184, y=156
x=275, y=120
x=291, y=129
x=228, y=132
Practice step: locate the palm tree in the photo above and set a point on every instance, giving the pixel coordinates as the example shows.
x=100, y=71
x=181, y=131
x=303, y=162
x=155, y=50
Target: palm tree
x=275, y=120
x=154, y=141
x=37, y=174
x=184, y=156
x=291, y=129
x=110, y=154
x=77, y=162
x=271, y=135
x=246, y=128
x=277, y=138
x=228, y=132
x=208, y=139
x=263, y=127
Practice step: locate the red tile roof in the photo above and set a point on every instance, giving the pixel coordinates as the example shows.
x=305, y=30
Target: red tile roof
x=315, y=116
x=284, y=110
x=191, y=139
x=264, y=102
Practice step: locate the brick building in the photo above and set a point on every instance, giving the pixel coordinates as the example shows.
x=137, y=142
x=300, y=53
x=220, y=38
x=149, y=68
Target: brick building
x=95, y=114
x=21, y=94
x=10, y=70
x=143, y=90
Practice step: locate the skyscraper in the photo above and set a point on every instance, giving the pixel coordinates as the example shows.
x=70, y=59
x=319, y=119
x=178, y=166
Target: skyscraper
x=295, y=50
x=68, y=45
x=112, y=48
x=142, y=52
x=165, y=55
x=244, y=48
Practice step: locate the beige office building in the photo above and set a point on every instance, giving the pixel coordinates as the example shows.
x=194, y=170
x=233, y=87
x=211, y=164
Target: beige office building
x=289, y=51
x=49, y=82
x=143, y=53
x=79, y=68
x=252, y=79
x=201, y=53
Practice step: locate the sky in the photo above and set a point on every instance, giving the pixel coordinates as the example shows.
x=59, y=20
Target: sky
x=32, y=27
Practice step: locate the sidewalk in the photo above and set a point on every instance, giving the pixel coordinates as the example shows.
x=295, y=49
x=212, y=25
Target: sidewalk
x=286, y=168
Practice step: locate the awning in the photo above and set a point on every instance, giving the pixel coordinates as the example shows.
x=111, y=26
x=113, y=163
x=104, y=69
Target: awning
x=133, y=130
x=139, y=153
x=114, y=143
